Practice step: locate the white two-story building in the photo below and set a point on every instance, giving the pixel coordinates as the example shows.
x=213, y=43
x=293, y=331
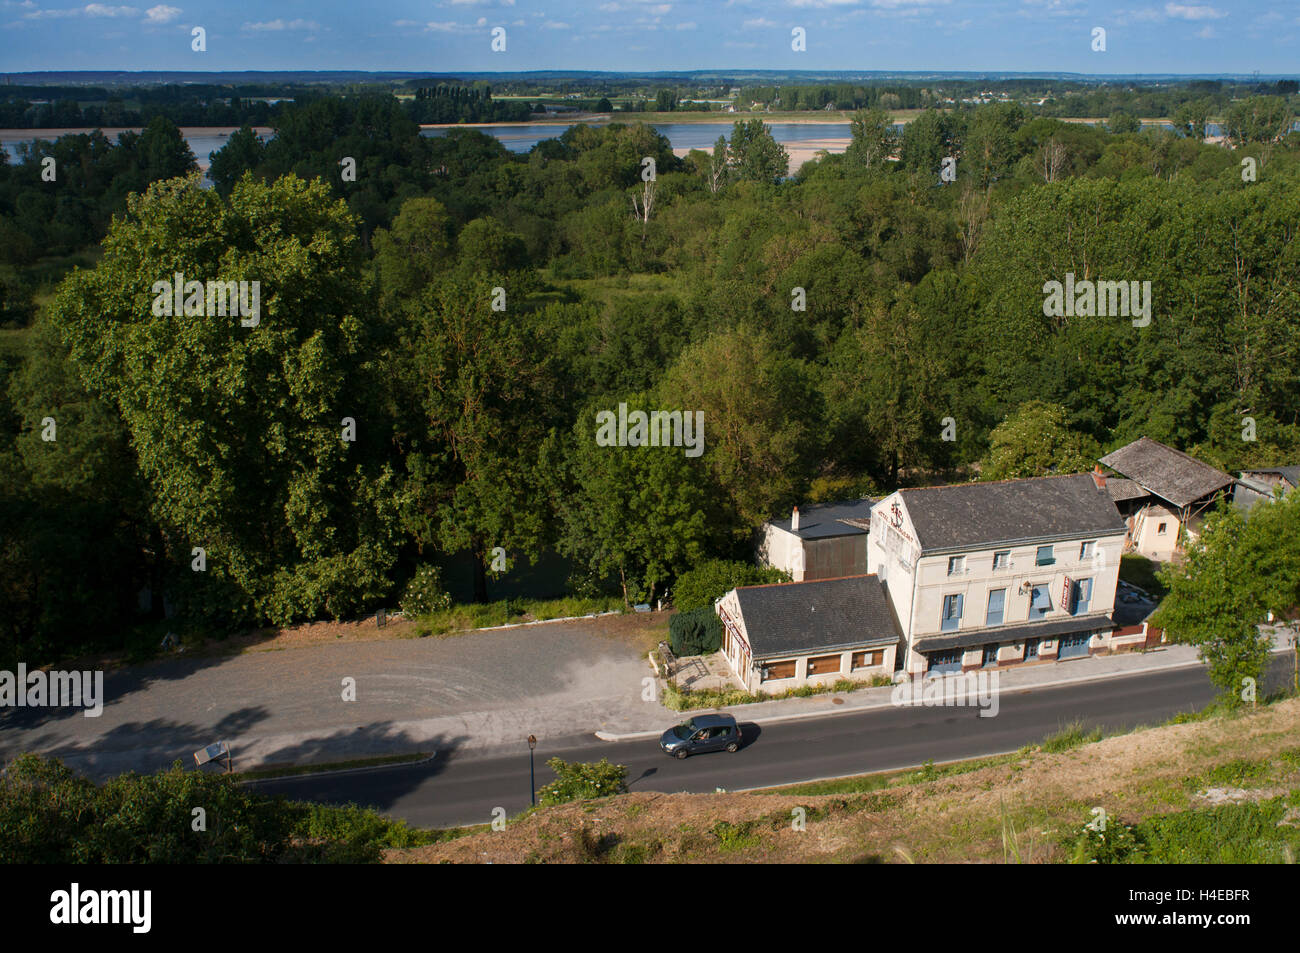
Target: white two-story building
x=996, y=574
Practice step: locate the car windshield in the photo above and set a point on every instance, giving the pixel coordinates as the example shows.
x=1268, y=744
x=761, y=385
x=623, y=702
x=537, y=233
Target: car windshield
x=684, y=730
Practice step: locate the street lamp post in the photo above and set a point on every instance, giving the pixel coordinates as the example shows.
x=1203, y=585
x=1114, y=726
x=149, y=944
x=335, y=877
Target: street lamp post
x=532, y=774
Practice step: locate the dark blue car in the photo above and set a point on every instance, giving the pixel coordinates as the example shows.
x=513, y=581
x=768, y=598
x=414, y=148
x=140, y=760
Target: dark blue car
x=701, y=733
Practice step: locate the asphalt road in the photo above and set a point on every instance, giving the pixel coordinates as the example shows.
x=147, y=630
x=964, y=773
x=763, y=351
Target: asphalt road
x=464, y=788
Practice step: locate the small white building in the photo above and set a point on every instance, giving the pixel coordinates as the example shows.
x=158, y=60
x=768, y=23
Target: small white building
x=1162, y=494
x=823, y=541
x=790, y=634
x=985, y=575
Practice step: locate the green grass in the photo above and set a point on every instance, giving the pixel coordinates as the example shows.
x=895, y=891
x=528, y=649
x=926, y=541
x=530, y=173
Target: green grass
x=461, y=618
x=735, y=837
x=286, y=771
x=1257, y=833
x=1070, y=736
x=866, y=783
x=682, y=699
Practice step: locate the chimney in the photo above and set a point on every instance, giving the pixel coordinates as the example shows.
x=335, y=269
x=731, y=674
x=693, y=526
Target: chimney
x=794, y=520
x=1098, y=477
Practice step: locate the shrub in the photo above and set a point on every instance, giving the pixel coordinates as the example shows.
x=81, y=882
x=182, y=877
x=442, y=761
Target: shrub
x=134, y=818
x=50, y=815
x=582, y=781
x=424, y=593
x=709, y=581
x=697, y=632
x=1116, y=843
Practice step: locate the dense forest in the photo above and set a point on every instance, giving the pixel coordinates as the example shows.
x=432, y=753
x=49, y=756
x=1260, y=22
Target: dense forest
x=438, y=333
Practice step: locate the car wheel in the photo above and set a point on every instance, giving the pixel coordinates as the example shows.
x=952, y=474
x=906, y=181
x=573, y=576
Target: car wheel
x=681, y=753
x=733, y=747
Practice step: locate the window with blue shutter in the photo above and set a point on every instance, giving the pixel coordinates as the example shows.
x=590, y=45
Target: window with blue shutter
x=951, y=613
x=1081, y=597
x=997, y=603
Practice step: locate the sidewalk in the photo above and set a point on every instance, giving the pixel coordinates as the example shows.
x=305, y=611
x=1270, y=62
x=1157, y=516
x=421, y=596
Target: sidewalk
x=1020, y=678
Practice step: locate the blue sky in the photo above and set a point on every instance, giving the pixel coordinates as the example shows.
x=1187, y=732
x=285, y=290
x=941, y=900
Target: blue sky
x=1190, y=36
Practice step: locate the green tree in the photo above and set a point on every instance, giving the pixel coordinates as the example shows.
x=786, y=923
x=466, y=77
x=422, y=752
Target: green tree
x=928, y=139
x=243, y=152
x=754, y=155
x=415, y=250
x=474, y=395
x=1036, y=441
x=1193, y=116
x=702, y=585
x=1231, y=578
x=874, y=139
x=1122, y=121
x=763, y=420
x=237, y=429
x=640, y=513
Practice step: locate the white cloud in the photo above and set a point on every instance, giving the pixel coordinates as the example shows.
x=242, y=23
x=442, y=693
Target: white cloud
x=1182, y=11
x=162, y=14
x=555, y=25
x=100, y=10
x=276, y=26
x=759, y=23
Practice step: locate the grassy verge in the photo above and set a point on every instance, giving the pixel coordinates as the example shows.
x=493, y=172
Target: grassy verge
x=460, y=618
x=1224, y=789
x=683, y=699
x=294, y=770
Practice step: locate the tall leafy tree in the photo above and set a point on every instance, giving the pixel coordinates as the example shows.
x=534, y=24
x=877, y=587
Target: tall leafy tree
x=1231, y=579
x=640, y=513
x=874, y=139
x=475, y=395
x=238, y=429
x=1035, y=441
x=754, y=155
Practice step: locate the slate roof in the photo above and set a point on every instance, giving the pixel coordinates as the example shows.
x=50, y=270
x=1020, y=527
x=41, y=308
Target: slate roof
x=824, y=520
x=1290, y=474
x=967, y=515
x=1168, y=473
x=1047, y=629
x=1121, y=490
x=796, y=618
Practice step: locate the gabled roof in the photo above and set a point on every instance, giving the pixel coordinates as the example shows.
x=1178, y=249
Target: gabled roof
x=969, y=515
x=1168, y=473
x=795, y=618
x=1121, y=489
x=823, y=520
x=1290, y=474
